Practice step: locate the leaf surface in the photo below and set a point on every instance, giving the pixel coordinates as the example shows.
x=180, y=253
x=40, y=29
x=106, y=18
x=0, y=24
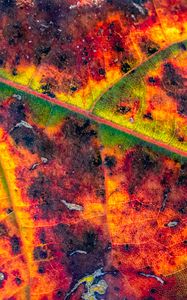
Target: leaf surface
x=93, y=171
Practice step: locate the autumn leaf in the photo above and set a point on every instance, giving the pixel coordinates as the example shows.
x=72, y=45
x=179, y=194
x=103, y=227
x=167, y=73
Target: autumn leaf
x=93, y=150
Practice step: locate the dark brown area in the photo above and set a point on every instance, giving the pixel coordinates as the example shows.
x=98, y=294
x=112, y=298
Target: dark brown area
x=174, y=85
x=15, y=244
x=88, y=241
x=148, y=47
x=3, y=230
x=40, y=253
x=137, y=165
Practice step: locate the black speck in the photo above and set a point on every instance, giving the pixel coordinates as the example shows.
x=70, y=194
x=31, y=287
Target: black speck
x=18, y=280
x=59, y=293
x=151, y=50
x=1, y=61
x=151, y=79
x=110, y=161
x=102, y=71
x=14, y=72
x=73, y=88
x=148, y=116
x=127, y=247
x=125, y=67
x=9, y=211
x=114, y=272
x=41, y=269
x=123, y=109
x=118, y=47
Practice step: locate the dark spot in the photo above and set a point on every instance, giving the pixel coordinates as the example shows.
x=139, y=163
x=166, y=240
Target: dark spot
x=171, y=79
x=17, y=112
x=110, y=161
x=127, y=247
x=90, y=240
x=74, y=130
x=153, y=291
x=102, y=71
x=123, y=109
x=73, y=88
x=17, y=59
x=34, y=141
x=15, y=244
x=18, y=280
x=125, y=67
x=40, y=253
x=40, y=52
x=148, y=46
x=9, y=211
x=101, y=193
x=46, y=89
x=151, y=79
x=45, y=147
x=24, y=136
x=173, y=85
x=148, y=116
x=118, y=47
x=1, y=61
x=152, y=50
x=42, y=237
x=3, y=230
x=15, y=32
x=137, y=205
x=182, y=46
x=59, y=293
x=183, y=207
x=14, y=72
x=113, y=271
x=41, y=269
x=63, y=60
x=137, y=163
x=96, y=160
x=180, y=139
x=182, y=179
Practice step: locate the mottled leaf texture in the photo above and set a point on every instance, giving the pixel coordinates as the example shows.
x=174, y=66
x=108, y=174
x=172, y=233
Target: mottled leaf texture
x=93, y=150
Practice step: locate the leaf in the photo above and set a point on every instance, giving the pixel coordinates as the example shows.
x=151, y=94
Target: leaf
x=88, y=211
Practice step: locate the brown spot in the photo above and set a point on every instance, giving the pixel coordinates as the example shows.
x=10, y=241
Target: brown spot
x=15, y=244
x=40, y=253
x=3, y=230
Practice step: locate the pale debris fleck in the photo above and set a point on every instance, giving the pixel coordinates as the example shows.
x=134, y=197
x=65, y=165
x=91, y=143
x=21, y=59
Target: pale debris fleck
x=153, y=276
x=23, y=123
x=139, y=7
x=172, y=223
x=78, y=251
x=72, y=206
x=2, y=276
